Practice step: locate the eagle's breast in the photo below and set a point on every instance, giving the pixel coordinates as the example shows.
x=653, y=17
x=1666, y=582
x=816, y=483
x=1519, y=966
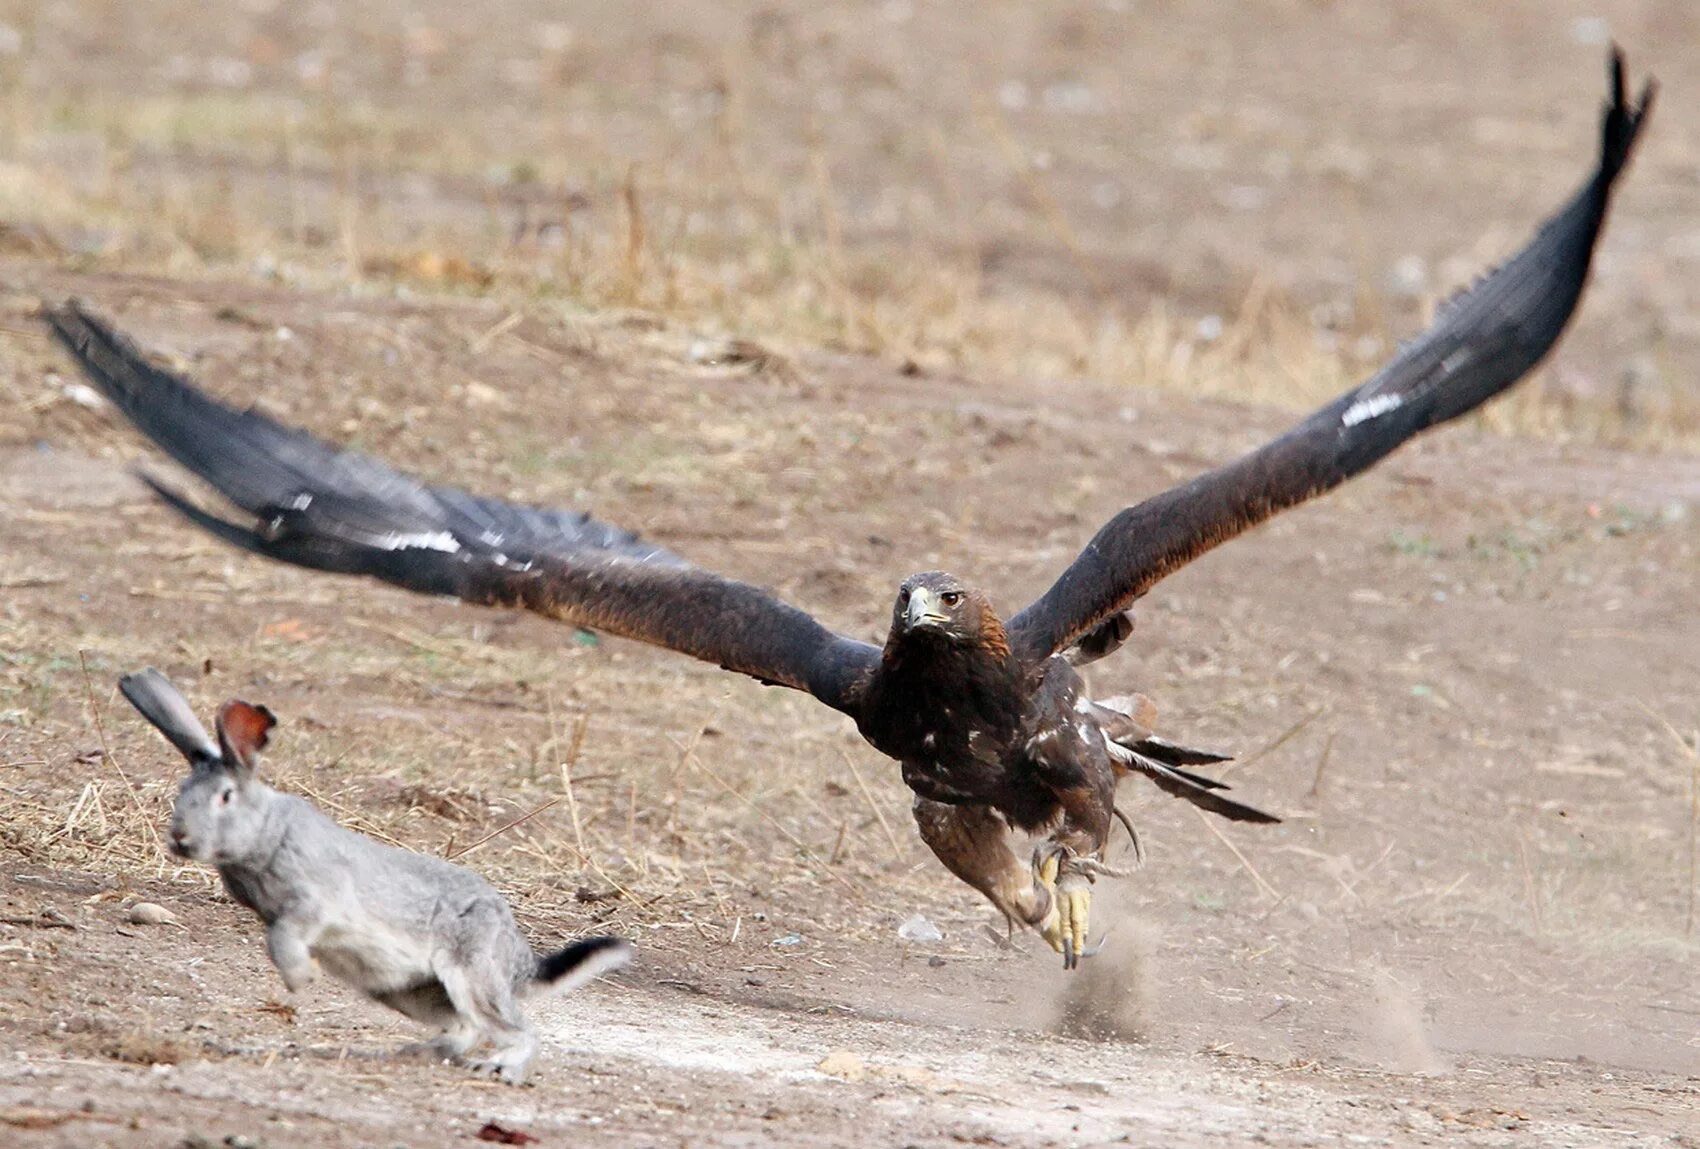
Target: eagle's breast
x=952, y=715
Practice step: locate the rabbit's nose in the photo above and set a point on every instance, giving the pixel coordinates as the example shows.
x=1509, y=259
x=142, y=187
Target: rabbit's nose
x=179, y=840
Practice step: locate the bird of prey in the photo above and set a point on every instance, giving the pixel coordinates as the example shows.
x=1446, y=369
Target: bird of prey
x=985, y=713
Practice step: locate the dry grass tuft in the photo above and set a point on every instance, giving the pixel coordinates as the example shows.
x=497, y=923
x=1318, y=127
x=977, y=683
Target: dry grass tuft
x=1690, y=749
x=410, y=196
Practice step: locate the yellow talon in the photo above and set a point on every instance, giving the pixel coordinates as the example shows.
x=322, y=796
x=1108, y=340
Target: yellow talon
x=1074, y=905
x=1065, y=923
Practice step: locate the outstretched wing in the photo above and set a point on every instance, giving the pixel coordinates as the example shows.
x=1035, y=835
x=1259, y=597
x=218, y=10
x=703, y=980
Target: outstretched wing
x=1482, y=342
x=316, y=506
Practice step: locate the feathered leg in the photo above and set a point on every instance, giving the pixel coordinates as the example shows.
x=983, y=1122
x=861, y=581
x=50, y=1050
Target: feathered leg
x=973, y=843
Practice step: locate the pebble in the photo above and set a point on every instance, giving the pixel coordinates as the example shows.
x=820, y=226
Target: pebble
x=150, y=914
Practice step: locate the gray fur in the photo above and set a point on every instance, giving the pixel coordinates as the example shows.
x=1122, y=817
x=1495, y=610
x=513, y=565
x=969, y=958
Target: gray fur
x=425, y=937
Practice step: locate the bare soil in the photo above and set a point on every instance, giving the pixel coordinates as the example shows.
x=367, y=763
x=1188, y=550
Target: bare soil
x=1467, y=680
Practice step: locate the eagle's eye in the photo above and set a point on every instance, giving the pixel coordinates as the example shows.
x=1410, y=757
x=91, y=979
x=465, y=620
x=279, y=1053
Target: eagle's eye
x=951, y=598
x=903, y=597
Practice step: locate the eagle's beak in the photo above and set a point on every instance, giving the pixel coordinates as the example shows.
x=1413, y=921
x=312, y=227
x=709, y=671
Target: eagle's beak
x=924, y=610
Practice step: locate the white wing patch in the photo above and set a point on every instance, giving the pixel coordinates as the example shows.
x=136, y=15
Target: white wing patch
x=394, y=541
x=423, y=540
x=1369, y=407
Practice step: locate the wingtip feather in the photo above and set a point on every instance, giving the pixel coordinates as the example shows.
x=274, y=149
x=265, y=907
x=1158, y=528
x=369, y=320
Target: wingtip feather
x=1622, y=121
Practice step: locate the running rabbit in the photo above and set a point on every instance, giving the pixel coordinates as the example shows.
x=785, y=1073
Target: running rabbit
x=425, y=937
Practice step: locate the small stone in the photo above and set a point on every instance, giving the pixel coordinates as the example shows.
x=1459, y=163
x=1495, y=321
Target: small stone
x=1408, y=277
x=83, y=395
x=918, y=929
x=150, y=914
x=842, y=1064
x=1590, y=30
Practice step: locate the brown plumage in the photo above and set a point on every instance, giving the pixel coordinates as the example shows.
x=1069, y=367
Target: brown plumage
x=985, y=715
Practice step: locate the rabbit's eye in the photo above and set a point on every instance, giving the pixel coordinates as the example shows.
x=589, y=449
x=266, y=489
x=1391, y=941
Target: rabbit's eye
x=224, y=797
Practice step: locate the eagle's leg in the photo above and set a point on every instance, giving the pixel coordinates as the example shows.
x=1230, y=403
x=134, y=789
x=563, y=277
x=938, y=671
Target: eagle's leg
x=973, y=843
x=1066, y=866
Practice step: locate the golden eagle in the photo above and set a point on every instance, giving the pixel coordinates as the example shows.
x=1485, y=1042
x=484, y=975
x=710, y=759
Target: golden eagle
x=985, y=714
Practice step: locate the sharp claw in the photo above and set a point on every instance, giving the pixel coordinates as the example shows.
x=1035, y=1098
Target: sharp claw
x=1075, y=896
x=1065, y=925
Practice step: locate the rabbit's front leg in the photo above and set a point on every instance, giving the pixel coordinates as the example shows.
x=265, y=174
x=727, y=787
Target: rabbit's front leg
x=286, y=941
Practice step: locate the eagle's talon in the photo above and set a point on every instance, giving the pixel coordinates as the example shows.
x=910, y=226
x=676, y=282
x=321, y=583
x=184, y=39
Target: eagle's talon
x=1074, y=905
x=1067, y=879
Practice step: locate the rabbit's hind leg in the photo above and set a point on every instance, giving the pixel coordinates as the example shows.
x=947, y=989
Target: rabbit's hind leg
x=429, y=1003
x=510, y=1059
x=485, y=1001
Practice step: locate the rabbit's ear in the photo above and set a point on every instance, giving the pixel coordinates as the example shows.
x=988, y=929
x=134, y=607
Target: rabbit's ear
x=151, y=692
x=242, y=731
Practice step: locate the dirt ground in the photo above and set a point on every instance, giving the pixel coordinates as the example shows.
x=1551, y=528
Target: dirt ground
x=1467, y=680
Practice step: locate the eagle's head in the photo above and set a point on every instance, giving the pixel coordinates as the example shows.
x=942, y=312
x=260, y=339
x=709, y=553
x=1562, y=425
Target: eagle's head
x=937, y=605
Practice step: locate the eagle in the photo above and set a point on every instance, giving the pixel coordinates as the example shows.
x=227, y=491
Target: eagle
x=987, y=714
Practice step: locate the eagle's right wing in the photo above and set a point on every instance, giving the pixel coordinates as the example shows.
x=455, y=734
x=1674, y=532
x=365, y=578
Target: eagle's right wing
x=317, y=506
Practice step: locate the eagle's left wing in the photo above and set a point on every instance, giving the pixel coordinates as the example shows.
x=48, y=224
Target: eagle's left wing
x=317, y=506
x=1483, y=342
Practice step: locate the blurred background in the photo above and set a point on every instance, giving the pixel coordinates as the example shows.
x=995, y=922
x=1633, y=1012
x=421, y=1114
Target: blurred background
x=1252, y=200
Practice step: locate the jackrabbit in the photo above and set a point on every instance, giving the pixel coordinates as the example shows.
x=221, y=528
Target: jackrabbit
x=427, y=938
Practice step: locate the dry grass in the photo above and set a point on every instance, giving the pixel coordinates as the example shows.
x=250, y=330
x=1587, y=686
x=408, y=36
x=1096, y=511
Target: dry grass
x=1690, y=750
x=583, y=814
x=327, y=192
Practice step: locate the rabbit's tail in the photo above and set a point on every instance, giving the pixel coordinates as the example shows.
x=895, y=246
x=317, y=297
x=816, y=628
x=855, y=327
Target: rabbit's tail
x=570, y=968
